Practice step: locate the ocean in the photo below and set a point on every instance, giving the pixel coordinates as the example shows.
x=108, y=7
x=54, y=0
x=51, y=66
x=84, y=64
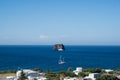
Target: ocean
x=13, y=57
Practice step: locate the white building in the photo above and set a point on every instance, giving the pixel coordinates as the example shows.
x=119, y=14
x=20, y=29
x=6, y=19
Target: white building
x=42, y=78
x=37, y=78
x=78, y=69
x=108, y=70
x=31, y=75
x=118, y=76
x=92, y=76
x=10, y=77
x=71, y=78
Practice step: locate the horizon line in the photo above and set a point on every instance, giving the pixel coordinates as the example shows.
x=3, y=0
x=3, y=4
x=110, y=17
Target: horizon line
x=54, y=44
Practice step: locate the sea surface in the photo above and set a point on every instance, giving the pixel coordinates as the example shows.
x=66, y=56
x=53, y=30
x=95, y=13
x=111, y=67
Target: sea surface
x=44, y=57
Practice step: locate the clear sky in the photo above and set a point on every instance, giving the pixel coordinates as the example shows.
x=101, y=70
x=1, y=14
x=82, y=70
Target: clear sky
x=71, y=22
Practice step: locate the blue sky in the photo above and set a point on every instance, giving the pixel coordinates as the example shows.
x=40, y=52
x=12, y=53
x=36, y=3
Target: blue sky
x=71, y=22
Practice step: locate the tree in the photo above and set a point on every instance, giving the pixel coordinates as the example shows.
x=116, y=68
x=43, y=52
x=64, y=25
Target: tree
x=70, y=72
x=22, y=76
x=48, y=71
x=81, y=74
x=70, y=69
x=98, y=70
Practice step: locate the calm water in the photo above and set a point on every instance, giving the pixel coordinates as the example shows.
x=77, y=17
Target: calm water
x=12, y=57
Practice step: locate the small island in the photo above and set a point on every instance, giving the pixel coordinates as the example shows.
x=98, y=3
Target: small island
x=59, y=47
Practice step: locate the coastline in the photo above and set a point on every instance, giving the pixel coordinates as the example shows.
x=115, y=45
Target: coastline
x=70, y=73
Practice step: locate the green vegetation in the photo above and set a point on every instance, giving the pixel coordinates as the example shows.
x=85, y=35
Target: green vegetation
x=52, y=75
x=117, y=72
x=69, y=73
x=82, y=74
x=107, y=77
x=59, y=75
x=93, y=70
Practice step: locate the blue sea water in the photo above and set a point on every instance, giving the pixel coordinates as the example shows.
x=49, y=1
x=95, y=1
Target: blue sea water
x=44, y=57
